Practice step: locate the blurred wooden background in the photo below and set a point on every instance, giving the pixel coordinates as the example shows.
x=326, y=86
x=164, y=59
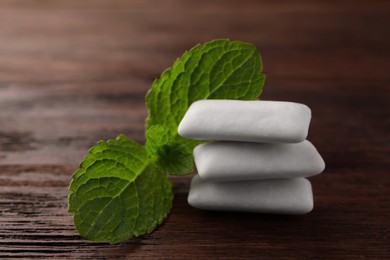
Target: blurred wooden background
x=73, y=72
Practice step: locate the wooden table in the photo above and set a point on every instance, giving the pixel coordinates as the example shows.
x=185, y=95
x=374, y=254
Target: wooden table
x=73, y=72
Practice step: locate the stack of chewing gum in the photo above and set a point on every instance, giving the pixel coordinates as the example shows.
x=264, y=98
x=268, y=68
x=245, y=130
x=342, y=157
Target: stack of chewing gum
x=258, y=159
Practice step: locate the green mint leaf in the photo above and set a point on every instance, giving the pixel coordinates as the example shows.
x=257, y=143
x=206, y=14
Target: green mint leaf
x=219, y=69
x=117, y=194
x=167, y=154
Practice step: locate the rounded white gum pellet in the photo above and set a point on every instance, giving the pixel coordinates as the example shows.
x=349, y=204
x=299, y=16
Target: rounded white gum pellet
x=250, y=121
x=235, y=161
x=283, y=196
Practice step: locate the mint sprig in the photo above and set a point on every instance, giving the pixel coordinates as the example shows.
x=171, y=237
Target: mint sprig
x=121, y=189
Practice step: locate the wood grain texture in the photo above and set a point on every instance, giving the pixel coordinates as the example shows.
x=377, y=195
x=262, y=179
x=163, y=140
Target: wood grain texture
x=73, y=72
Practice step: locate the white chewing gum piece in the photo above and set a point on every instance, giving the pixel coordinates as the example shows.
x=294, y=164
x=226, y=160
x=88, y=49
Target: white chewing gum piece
x=236, y=161
x=249, y=121
x=282, y=196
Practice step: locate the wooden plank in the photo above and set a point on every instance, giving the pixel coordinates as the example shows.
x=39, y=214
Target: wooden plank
x=35, y=222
